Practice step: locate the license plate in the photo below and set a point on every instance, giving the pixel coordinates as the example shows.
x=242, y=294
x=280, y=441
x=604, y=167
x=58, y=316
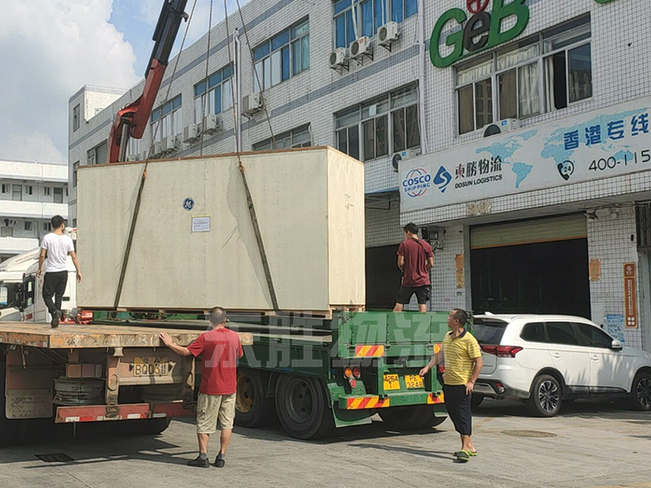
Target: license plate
x=391, y=382
x=413, y=381
x=149, y=367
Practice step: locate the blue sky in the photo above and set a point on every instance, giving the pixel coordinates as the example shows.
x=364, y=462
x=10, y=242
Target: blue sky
x=54, y=47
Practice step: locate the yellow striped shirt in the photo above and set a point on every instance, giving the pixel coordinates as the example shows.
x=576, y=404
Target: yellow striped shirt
x=459, y=357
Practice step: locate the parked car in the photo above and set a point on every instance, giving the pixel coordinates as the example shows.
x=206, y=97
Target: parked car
x=547, y=359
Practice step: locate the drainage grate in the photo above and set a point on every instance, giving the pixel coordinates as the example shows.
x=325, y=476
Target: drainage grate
x=528, y=433
x=58, y=457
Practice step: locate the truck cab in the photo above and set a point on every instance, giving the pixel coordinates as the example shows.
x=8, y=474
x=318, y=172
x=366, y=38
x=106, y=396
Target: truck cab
x=32, y=305
x=11, y=280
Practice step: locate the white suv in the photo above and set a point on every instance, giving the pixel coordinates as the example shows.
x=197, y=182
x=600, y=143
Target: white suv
x=545, y=359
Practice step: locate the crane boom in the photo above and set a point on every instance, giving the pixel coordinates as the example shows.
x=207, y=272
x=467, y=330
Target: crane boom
x=132, y=120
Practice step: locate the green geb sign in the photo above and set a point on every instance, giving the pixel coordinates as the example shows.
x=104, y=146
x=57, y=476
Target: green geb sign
x=476, y=29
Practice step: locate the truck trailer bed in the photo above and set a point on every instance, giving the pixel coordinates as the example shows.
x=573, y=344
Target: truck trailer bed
x=72, y=336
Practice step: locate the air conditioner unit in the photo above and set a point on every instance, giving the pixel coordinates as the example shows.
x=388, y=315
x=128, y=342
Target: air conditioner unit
x=338, y=57
x=210, y=124
x=360, y=47
x=501, y=127
x=403, y=155
x=132, y=157
x=252, y=103
x=191, y=133
x=171, y=144
x=158, y=149
x=388, y=33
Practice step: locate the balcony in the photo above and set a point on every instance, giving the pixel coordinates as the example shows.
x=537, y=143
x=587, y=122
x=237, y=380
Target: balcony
x=17, y=245
x=32, y=210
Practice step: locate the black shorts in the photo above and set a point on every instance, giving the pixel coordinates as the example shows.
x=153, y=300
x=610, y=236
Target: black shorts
x=457, y=404
x=422, y=294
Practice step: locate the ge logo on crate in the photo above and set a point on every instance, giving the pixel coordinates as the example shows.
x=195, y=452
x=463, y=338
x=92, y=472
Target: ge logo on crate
x=188, y=204
x=416, y=182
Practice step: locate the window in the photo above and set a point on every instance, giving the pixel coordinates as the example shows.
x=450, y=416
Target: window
x=218, y=97
x=47, y=190
x=380, y=126
x=593, y=337
x=17, y=192
x=534, y=332
x=489, y=331
x=58, y=195
x=74, y=222
x=299, y=137
x=547, y=71
x=47, y=227
x=28, y=225
x=98, y=154
x=167, y=120
x=6, y=188
x=285, y=55
x=76, y=117
x=561, y=333
x=6, y=231
x=74, y=175
x=29, y=190
x=368, y=16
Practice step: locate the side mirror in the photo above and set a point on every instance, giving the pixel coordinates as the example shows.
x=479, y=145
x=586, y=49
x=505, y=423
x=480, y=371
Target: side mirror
x=616, y=345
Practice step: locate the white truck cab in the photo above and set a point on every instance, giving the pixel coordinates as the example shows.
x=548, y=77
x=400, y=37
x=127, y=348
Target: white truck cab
x=11, y=274
x=33, y=305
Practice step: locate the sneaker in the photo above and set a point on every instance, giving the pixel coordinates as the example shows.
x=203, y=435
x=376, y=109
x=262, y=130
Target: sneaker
x=55, y=319
x=219, y=463
x=199, y=463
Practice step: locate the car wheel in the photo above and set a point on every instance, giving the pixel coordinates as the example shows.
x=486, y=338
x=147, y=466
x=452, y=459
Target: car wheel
x=641, y=392
x=476, y=400
x=546, y=396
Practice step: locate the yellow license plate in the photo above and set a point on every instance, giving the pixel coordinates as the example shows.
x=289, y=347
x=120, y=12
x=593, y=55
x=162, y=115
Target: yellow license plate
x=143, y=366
x=413, y=381
x=391, y=382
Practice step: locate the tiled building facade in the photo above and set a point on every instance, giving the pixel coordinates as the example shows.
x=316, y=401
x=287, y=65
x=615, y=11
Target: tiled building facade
x=395, y=100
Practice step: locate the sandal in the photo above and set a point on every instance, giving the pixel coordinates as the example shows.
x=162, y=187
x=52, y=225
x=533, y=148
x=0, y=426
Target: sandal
x=469, y=453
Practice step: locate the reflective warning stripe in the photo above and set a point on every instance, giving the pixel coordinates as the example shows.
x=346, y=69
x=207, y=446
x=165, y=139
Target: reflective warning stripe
x=360, y=403
x=369, y=351
x=432, y=398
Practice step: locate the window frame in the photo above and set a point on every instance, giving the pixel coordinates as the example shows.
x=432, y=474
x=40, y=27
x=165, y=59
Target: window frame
x=273, y=53
x=75, y=165
x=167, y=119
x=76, y=117
x=361, y=122
x=54, y=194
x=583, y=22
x=292, y=135
x=223, y=84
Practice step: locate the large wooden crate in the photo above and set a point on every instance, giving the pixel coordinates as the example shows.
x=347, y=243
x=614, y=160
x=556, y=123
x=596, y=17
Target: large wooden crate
x=194, y=244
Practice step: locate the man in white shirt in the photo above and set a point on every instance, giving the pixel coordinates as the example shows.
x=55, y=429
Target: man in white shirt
x=57, y=247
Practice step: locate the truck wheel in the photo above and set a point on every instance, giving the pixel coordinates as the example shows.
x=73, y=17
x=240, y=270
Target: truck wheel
x=302, y=407
x=252, y=407
x=546, y=396
x=641, y=392
x=410, y=417
x=157, y=426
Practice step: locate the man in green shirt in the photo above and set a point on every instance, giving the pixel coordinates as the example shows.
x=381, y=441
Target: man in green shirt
x=461, y=355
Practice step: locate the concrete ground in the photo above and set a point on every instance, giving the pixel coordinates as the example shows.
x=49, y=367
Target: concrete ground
x=589, y=445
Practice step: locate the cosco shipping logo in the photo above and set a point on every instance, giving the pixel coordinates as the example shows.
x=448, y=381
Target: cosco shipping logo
x=418, y=181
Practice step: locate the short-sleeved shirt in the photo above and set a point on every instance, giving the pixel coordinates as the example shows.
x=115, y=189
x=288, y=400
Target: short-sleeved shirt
x=459, y=356
x=58, y=247
x=219, y=349
x=416, y=253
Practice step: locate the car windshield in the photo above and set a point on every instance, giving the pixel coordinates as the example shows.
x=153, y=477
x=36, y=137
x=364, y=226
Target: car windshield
x=488, y=331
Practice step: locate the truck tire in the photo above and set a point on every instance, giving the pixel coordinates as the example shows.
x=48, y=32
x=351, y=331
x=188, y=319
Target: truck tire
x=252, y=407
x=302, y=406
x=157, y=426
x=412, y=417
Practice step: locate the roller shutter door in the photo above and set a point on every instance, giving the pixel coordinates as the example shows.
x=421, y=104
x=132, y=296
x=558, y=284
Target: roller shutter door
x=552, y=229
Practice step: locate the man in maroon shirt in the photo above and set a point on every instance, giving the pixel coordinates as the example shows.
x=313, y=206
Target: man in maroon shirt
x=219, y=349
x=415, y=259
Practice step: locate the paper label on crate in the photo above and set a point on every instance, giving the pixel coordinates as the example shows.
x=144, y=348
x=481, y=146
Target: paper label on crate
x=201, y=223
